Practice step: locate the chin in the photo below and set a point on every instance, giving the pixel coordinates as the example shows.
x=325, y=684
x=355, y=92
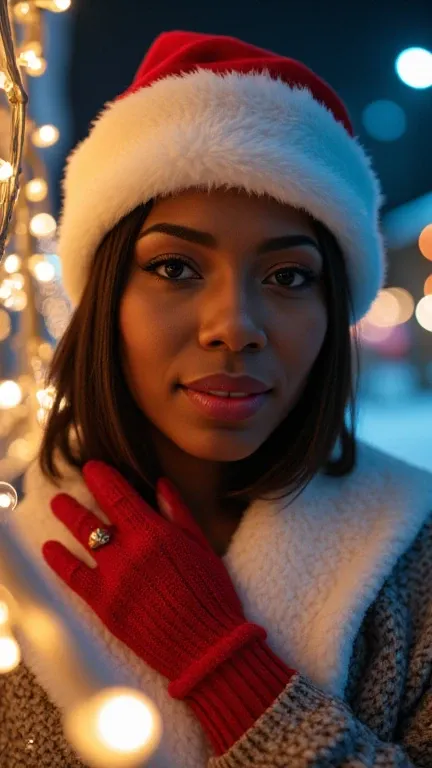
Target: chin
x=226, y=446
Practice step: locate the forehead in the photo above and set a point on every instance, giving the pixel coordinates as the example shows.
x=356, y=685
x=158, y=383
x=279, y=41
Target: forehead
x=231, y=221
x=224, y=208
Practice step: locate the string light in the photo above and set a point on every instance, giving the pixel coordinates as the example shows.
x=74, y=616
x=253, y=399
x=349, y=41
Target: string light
x=44, y=272
x=36, y=190
x=43, y=225
x=12, y=263
x=36, y=66
x=22, y=12
x=6, y=170
x=45, y=136
x=56, y=6
x=10, y=394
x=108, y=726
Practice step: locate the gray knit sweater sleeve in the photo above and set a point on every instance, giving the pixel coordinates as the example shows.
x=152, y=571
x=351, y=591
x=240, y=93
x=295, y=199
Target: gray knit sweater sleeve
x=307, y=728
x=385, y=718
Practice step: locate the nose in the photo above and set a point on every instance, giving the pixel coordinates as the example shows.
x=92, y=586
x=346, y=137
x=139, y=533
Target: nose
x=232, y=321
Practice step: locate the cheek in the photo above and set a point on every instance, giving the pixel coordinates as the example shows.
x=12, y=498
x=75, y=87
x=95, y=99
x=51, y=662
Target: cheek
x=315, y=328
x=148, y=342
x=302, y=336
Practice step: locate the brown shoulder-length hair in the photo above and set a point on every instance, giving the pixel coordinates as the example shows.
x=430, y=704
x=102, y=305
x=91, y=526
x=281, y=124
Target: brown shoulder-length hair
x=94, y=403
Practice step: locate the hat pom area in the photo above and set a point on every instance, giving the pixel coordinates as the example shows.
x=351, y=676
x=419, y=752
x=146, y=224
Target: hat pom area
x=211, y=130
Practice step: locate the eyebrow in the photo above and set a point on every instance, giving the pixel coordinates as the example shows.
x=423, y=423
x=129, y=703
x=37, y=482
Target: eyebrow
x=209, y=241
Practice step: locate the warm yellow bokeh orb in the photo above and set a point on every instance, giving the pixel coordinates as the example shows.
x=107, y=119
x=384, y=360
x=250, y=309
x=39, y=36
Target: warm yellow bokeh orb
x=36, y=190
x=10, y=654
x=45, y=136
x=11, y=263
x=44, y=272
x=6, y=170
x=10, y=394
x=424, y=313
x=22, y=11
x=43, y=225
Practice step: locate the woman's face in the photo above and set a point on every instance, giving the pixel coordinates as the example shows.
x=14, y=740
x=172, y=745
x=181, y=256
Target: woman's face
x=231, y=308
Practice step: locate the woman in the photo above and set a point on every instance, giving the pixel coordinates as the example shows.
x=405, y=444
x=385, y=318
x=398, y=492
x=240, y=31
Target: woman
x=260, y=574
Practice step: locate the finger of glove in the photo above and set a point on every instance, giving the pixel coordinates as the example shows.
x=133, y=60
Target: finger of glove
x=78, y=576
x=122, y=504
x=178, y=512
x=77, y=518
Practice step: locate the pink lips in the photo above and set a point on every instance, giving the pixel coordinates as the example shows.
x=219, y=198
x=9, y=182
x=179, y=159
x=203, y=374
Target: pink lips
x=226, y=408
x=228, y=383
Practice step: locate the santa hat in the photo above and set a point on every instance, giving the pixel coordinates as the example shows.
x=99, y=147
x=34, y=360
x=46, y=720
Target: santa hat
x=213, y=111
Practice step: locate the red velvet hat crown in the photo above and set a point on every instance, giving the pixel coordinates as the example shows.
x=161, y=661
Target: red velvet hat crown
x=178, y=53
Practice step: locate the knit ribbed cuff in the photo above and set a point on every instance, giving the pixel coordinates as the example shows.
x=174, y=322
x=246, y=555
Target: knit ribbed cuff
x=233, y=697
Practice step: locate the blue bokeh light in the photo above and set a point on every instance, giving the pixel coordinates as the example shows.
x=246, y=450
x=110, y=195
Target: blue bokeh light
x=384, y=120
x=414, y=67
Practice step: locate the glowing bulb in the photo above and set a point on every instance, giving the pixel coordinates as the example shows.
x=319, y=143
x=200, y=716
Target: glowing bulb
x=44, y=272
x=36, y=190
x=10, y=654
x=8, y=497
x=41, y=417
x=16, y=302
x=12, y=263
x=17, y=281
x=6, y=170
x=424, y=313
x=22, y=11
x=34, y=259
x=43, y=225
x=56, y=6
x=113, y=724
x=10, y=394
x=6, y=288
x=31, y=49
x=45, y=136
x=26, y=56
x=46, y=397
x=36, y=66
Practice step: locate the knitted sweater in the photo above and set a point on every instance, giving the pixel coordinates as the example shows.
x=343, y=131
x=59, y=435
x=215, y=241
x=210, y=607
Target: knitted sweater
x=341, y=580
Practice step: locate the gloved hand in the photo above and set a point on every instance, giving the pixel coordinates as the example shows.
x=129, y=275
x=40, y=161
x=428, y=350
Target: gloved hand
x=161, y=590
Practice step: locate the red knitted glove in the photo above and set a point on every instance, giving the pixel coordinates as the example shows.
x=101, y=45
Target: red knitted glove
x=161, y=590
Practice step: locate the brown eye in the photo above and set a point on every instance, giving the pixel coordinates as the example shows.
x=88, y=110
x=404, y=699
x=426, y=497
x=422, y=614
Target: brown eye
x=175, y=262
